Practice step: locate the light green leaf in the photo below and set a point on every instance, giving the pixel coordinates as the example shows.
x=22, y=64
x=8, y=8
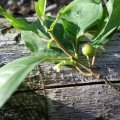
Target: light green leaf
x=33, y=42
x=12, y=74
x=40, y=7
x=17, y=23
x=38, y=45
x=37, y=9
x=110, y=6
x=83, y=13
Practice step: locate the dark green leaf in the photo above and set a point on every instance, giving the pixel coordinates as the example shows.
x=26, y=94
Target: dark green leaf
x=60, y=33
x=111, y=23
x=49, y=20
x=41, y=30
x=71, y=29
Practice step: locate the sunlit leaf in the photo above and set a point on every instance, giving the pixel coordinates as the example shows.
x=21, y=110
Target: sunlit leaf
x=12, y=74
x=38, y=45
x=83, y=13
x=40, y=7
x=17, y=23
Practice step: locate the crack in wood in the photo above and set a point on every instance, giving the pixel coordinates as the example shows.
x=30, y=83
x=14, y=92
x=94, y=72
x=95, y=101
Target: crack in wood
x=64, y=86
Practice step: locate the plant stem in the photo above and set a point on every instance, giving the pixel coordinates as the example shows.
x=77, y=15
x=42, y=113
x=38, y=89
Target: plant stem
x=88, y=59
x=93, y=60
x=83, y=73
x=75, y=51
x=54, y=23
x=97, y=75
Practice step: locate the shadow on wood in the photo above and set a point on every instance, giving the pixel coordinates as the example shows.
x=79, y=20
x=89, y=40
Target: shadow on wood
x=32, y=106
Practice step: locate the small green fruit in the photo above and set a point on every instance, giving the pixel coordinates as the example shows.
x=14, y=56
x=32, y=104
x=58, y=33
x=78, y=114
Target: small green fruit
x=87, y=49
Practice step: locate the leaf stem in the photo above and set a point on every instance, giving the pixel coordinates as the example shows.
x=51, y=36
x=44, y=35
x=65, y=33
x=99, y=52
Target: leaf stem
x=88, y=59
x=54, y=23
x=97, y=75
x=75, y=51
x=93, y=60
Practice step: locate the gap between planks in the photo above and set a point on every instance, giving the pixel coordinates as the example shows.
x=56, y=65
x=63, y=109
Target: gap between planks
x=64, y=86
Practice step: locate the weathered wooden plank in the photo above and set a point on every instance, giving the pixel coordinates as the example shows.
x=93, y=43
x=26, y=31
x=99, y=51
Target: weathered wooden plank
x=94, y=102
x=10, y=48
x=25, y=106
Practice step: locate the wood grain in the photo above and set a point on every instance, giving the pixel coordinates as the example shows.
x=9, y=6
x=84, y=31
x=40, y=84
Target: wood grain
x=83, y=103
x=25, y=106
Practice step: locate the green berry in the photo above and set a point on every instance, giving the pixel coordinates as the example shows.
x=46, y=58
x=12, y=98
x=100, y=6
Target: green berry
x=87, y=49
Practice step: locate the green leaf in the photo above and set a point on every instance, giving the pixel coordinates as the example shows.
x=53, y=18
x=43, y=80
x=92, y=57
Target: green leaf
x=83, y=13
x=17, y=23
x=114, y=17
x=40, y=7
x=37, y=9
x=12, y=74
x=38, y=45
x=110, y=6
x=33, y=42
x=41, y=30
x=112, y=22
x=60, y=33
x=70, y=28
x=1, y=9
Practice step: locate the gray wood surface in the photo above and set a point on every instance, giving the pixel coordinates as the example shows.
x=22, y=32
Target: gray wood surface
x=48, y=95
